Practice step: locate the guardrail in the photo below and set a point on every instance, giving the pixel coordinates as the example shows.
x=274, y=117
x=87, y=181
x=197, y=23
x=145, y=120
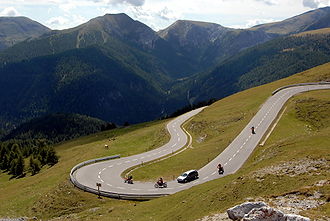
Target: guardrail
x=107, y=193
x=301, y=84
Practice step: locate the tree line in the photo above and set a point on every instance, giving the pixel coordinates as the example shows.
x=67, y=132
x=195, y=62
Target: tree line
x=18, y=157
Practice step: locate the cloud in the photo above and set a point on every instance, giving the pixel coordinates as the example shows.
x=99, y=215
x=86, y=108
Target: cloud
x=10, y=11
x=63, y=22
x=57, y=21
x=120, y=2
x=253, y=22
x=315, y=3
x=269, y=2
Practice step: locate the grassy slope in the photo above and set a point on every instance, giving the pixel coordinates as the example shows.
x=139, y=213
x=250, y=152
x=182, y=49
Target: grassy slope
x=40, y=195
x=218, y=124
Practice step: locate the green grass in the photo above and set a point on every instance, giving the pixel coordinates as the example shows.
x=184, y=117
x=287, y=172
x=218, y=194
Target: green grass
x=49, y=194
x=19, y=197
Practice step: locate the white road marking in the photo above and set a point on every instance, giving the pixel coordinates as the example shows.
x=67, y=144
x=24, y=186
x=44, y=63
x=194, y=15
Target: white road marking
x=119, y=187
x=179, y=139
x=152, y=189
x=102, y=180
x=174, y=145
x=136, y=189
x=99, y=176
x=110, y=166
x=109, y=184
x=128, y=161
x=230, y=159
x=100, y=172
x=104, y=169
x=135, y=160
x=119, y=164
x=214, y=172
x=141, y=157
x=205, y=178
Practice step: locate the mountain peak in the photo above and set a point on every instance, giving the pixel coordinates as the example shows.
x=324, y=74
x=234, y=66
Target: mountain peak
x=196, y=33
x=311, y=20
x=17, y=29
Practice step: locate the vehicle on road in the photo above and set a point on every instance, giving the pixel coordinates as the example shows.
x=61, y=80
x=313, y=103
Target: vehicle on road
x=188, y=176
x=129, y=180
x=159, y=185
x=220, y=169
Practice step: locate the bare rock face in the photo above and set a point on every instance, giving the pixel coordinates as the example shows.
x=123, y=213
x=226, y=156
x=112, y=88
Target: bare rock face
x=238, y=212
x=271, y=214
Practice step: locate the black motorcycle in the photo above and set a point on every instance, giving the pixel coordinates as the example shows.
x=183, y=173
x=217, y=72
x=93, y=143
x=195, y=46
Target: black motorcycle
x=160, y=185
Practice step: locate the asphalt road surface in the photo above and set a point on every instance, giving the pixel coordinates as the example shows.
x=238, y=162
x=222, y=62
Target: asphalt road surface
x=108, y=173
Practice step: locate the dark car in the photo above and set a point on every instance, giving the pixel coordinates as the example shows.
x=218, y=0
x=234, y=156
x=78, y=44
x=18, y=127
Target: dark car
x=188, y=176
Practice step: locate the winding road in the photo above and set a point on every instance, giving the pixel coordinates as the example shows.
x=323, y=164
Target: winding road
x=108, y=173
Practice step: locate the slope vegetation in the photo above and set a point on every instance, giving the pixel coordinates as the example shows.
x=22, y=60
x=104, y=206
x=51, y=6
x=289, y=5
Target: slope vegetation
x=297, y=137
x=262, y=64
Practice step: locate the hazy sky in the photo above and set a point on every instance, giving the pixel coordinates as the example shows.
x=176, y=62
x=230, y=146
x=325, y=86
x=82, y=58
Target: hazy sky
x=158, y=14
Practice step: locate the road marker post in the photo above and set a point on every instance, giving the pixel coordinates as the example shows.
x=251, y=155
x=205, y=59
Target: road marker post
x=98, y=189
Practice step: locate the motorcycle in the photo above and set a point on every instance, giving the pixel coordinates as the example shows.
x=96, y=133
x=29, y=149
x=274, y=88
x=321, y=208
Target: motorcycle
x=128, y=180
x=221, y=171
x=158, y=185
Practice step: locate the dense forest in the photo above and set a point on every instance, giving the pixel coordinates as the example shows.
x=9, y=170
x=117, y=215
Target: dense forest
x=15, y=153
x=29, y=147
x=55, y=128
x=262, y=64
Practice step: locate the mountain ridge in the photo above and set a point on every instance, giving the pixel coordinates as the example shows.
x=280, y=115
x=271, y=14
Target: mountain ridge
x=157, y=72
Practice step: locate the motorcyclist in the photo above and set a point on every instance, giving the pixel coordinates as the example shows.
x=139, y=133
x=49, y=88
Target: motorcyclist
x=129, y=179
x=252, y=130
x=220, y=169
x=160, y=181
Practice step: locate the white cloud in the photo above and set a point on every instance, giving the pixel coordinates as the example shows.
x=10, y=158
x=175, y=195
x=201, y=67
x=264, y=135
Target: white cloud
x=315, y=3
x=119, y=2
x=269, y=2
x=57, y=21
x=10, y=11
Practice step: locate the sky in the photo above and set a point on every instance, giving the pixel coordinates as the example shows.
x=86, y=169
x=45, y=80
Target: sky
x=159, y=14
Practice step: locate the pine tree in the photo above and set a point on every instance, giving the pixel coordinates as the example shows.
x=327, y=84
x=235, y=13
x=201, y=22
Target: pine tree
x=19, y=169
x=35, y=166
x=51, y=158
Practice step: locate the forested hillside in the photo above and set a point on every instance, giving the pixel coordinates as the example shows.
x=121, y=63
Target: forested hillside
x=264, y=63
x=57, y=128
x=120, y=70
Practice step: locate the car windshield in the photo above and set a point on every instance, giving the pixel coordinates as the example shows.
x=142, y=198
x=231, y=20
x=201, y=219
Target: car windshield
x=184, y=174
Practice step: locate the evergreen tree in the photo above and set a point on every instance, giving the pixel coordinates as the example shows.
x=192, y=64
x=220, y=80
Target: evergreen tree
x=51, y=158
x=35, y=166
x=19, y=169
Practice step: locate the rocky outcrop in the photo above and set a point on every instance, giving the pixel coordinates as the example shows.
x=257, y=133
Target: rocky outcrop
x=259, y=211
x=238, y=212
x=271, y=214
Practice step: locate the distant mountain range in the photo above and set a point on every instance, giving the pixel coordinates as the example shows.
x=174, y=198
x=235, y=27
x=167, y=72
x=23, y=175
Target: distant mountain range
x=120, y=70
x=17, y=29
